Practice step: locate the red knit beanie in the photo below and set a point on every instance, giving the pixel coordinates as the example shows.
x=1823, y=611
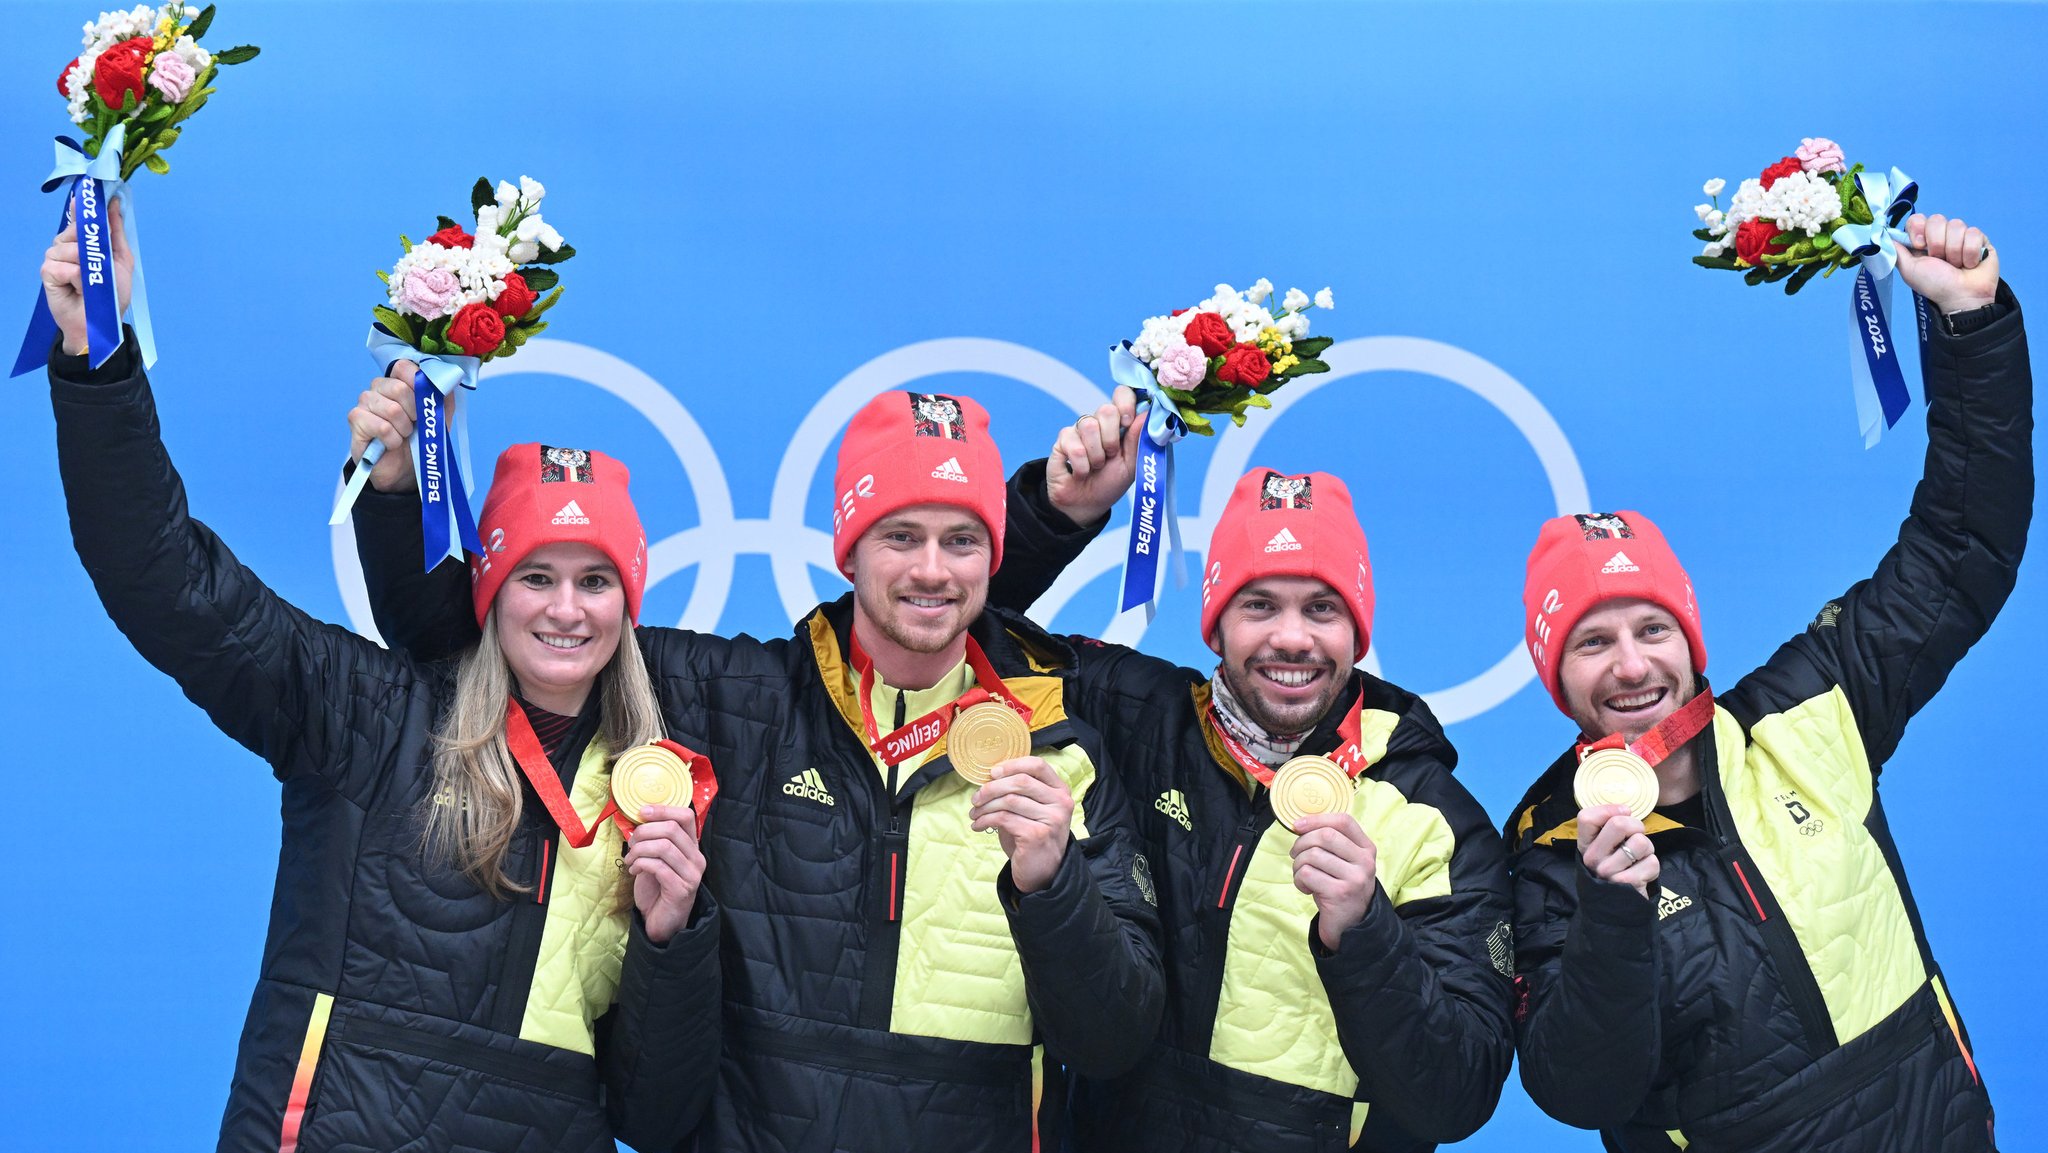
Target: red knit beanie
x=1276, y=525
x=1580, y=561
x=542, y=495
x=911, y=448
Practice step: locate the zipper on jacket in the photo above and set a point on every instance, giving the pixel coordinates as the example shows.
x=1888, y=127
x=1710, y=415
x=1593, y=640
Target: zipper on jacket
x=1214, y=926
x=1240, y=858
x=1802, y=989
x=888, y=866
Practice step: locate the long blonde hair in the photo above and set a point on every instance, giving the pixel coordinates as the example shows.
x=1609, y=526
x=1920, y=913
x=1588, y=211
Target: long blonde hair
x=475, y=801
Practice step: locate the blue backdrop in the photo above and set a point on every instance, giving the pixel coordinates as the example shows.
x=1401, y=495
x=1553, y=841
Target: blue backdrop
x=781, y=209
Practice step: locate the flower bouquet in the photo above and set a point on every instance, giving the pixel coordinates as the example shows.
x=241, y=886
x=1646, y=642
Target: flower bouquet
x=1223, y=356
x=1808, y=215
x=141, y=76
x=454, y=301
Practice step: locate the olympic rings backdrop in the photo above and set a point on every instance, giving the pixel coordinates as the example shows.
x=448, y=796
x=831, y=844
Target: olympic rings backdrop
x=782, y=209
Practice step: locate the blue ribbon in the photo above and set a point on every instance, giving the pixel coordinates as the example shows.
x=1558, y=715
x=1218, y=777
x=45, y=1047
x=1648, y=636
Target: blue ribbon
x=1880, y=385
x=1152, y=506
x=93, y=181
x=439, y=444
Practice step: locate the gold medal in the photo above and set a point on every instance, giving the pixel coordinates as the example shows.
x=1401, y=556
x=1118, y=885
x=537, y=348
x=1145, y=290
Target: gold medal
x=984, y=736
x=1616, y=777
x=649, y=775
x=1308, y=785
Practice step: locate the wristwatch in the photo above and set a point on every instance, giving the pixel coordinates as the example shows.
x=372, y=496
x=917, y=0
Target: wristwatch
x=1970, y=319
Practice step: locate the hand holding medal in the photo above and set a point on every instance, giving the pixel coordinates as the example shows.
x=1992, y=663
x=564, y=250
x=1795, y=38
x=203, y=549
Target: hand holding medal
x=1335, y=863
x=667, y=867
x=1030, y=808
x=660, y=795
x=665, y=792
x=457, y=300
x=1617, y=788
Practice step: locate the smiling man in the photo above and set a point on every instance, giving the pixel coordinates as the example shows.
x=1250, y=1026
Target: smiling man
x=894, y=977
x=1742, y=967
x=1343, y=983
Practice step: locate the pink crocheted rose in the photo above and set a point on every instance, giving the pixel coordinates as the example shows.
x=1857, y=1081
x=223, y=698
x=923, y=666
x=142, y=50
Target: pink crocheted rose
x=428, y=293
x=172, y=75
x=1182, y=367
x=1819, y=154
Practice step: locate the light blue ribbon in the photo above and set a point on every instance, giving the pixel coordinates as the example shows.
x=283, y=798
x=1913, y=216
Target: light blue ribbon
x=1152, y=505
x=1879, y=383
x=103, y=323
x=439, y=445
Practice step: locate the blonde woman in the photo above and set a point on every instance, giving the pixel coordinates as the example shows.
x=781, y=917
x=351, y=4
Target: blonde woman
x=464, y=951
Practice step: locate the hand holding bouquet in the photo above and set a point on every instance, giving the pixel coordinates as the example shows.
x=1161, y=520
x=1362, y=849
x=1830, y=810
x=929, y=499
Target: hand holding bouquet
x=141, y=76
x=1807, y=215
x=454, y=301
x=1224, y=356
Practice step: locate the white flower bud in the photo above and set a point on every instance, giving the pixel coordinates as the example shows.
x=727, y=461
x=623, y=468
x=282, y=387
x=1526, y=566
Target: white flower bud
x=1713, y=187
x=1325, y=300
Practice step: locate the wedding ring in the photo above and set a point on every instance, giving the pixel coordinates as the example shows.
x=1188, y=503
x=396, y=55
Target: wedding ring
x=1632, y=858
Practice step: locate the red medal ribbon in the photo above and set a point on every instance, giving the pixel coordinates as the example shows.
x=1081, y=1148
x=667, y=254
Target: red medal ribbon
x=540, y=773
x=1349, y=755
x=1670, y=735
x=925, y=731
x=703, y=785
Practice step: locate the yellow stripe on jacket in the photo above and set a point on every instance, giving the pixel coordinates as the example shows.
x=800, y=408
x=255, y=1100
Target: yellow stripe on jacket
x=583, y=942
x=1274, y=1017
x=1800, y=790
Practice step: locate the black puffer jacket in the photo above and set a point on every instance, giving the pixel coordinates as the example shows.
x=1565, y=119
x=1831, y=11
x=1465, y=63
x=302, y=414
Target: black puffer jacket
x=398, y=1006
x=1777, y=992
x=1395, y=1042
x=886, y=987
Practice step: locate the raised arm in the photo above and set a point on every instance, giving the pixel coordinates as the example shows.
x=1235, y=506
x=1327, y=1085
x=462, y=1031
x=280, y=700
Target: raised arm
x=1890, y=641
x=1058, y=504
x=424, y=614
x=288, y=688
